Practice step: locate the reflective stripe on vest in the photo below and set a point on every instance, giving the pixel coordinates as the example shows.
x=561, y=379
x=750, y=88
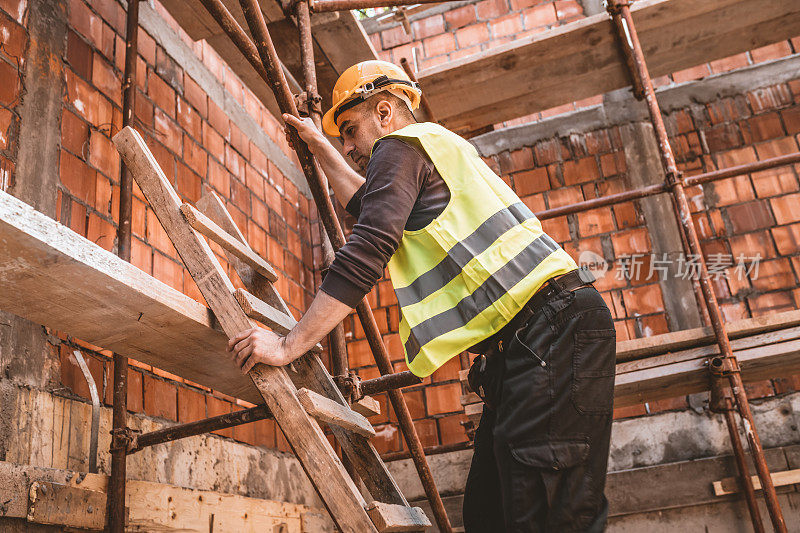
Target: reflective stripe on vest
x=467, y=273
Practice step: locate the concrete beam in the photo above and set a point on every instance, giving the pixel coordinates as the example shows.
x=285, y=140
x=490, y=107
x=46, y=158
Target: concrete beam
x=625, y=111
x=644, y=168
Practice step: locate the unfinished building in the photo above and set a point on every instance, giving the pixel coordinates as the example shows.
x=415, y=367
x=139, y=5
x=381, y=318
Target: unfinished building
x=656, y=140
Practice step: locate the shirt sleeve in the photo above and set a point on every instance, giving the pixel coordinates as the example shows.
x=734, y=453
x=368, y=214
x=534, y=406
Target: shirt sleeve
x=354, y=205
x=395, y=175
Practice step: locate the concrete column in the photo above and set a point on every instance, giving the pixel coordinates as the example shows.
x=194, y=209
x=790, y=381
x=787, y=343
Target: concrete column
x=644, y=168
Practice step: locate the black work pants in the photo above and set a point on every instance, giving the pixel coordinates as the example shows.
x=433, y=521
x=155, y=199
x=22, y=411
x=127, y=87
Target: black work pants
x=541, y=450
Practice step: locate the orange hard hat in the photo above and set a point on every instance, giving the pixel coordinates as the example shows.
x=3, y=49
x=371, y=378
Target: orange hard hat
x=361, y=81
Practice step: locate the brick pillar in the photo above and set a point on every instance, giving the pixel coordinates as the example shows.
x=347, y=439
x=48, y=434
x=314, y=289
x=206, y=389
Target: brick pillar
x=644, y=168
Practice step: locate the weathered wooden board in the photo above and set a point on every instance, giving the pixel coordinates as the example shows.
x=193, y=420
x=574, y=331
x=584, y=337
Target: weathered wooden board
x=332, y=412
x=53, y=276
x=582, y=59
x=151, y=506
x=730, y=485
x=390, y=518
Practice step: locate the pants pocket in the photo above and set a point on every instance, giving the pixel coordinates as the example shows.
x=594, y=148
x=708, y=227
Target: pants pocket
x=549, y=487
x=593, y=369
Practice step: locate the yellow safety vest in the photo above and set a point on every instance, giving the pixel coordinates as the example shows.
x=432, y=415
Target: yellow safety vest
x=464, y=276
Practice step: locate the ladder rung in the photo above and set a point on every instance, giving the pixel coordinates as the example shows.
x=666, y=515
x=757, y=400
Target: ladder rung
x=260, y=310
x=389, y=517
x=332, y=412
x=210, y=229
x=367, y=406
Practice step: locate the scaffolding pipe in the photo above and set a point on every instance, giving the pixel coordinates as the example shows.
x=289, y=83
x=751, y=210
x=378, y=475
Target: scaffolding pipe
x=140, y=442
x=119, y=424
x=629, y=41
x=659, y=188
x=323, y=6
x=388, y=382
x=424, y=102
x=277, y=82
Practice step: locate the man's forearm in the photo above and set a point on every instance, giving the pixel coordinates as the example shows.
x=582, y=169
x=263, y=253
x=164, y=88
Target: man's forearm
x=322, y=316
x=344, y=180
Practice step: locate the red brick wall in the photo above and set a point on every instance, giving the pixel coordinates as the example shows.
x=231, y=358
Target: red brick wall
x=196, y=144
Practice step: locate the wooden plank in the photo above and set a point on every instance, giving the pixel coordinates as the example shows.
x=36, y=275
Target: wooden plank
x=57, y=504
x=367, y=406
x=207, y=227
x=582, y=59
x=390, y=518
x=264, y=313
x=53, y=276
x=308, y=372
x=336, y=489
x=326, y=410
x=156, y=506
x=730, y=485
x=636, y=348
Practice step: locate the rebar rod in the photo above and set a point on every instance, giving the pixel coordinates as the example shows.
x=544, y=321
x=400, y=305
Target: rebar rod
x=277, y=82
x=424, y=102
x=389, y=382
x=182, y=431
x=631, y=47
x=322, y=6
x=115, y=501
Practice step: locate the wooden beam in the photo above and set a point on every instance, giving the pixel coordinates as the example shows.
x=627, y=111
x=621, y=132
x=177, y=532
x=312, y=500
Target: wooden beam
x=582, y=59
x=53, y=276
x=57, y=504
x=207, y=227
x=367, y=406
x=730, y=485
x=151, y=506
x=391, y=518
x=325, y=471
x=331, y=412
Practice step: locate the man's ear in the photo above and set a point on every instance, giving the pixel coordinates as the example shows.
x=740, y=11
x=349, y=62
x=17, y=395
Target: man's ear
x=385, y=112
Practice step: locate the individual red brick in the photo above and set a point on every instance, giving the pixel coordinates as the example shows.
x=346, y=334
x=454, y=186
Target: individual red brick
x=191, y=405
x=723, y=137
x=729, y=63
x=550, y=151
x=492, y=9
x=439, y=44
x=9, y=89
x=74, y=132
x=216, y=407
x=415, y=400
x=568, y=9
x=460, y=17
x=428, y=432
x=771, y=51
x=105, y=79
x=531, y=182
x=643, y=300
x=146, y=46
x=595, y=221
x=386, y=439
x=443, y=398
x=737, y=157
x=188, y=183
x=753, y=243
x=508, y=25
x=773, y=275
x=771, y=303
x=564, y=196
x=787, y=239
x=635, y=241
x=750, y=216
x=767, y=98
x=448, y=371
x=629, y=411
x=100, y=232
x=161, y=93
x=168, y=271
x=359, y=354
x=77, y=177
x=85, y=22
x=729, y=191
x=791, y=119
x=264, y=433
x=472, y=35
x=103, y=155
x=427, y=27
x=245, y=433
x=539, y=16
x=394, y=37
x=79, y=55
x=160, y=398
x=785, y=208
x=169, y=132
x=775, y=148
x=580, y=171
x=691, y=74
x=762, y=128
x=451, y=429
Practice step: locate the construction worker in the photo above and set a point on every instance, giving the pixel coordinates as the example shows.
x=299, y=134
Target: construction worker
x=472, y=270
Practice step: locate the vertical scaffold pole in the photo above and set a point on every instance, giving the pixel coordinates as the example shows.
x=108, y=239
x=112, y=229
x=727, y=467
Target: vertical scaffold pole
x=728, y=364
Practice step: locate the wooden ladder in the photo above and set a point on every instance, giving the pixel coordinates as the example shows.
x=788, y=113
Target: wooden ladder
x=297, y=394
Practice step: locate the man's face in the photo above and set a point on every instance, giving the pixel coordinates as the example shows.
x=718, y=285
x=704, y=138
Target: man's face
x=359, y=129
